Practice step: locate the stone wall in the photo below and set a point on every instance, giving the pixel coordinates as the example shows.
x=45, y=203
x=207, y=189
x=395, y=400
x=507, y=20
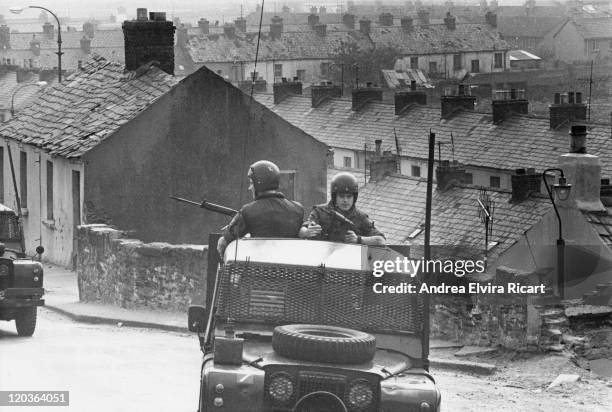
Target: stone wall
x=128, y=273
x=509, y=320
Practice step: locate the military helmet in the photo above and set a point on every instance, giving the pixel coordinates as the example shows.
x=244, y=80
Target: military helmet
x=265, y=175
x=344, y=182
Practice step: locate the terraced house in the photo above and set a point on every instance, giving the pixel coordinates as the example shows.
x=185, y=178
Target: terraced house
x=113, y=141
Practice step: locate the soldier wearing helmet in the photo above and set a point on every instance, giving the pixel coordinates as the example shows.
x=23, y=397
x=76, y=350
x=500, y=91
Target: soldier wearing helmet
x=353, y=226
x=270, y=214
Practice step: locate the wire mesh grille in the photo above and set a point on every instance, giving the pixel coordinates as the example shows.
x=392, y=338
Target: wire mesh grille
x=281, y=294
x=9, y=228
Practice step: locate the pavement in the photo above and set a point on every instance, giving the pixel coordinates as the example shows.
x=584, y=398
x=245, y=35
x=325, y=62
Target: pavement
x=62, y=296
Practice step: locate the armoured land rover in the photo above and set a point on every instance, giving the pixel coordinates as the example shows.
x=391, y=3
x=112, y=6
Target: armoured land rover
x=21, y=279
x=294, y=325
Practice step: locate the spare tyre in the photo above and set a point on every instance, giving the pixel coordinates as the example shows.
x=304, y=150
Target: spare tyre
x=321, y=343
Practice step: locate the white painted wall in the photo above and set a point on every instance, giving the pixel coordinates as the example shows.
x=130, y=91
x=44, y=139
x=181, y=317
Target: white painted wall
x=55, y=235
x=445, y=62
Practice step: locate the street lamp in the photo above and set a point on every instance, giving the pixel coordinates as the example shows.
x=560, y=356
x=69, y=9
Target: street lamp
x=37, y=84
x=562, y=190
x=17, y=10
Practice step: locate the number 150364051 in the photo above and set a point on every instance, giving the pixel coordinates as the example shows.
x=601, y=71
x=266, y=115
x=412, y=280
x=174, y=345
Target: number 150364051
x=34, y=398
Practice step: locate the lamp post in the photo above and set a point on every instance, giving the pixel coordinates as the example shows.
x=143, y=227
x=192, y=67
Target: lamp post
x=17, y=10
x=562, y=190
x=37, y=84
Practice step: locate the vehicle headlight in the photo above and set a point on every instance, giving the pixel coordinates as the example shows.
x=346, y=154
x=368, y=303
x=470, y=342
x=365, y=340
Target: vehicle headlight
x=4, y=270
x=360, y=394
x=280, y=387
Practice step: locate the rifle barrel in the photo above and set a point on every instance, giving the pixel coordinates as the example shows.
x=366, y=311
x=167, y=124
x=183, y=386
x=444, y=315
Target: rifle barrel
x=208, y=205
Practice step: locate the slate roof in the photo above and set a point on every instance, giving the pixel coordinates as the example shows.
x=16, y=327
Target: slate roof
x=106, y=43
x=602, y=224
x=22, y=96
x=397, y=205
x=437, y=38
x=596, y=28
x=527, y=26
x=520, y=141
x=70, y=118
x=296, y=45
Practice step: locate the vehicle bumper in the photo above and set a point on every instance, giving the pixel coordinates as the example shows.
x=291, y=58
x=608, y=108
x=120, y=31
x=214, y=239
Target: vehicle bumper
x=21, y=297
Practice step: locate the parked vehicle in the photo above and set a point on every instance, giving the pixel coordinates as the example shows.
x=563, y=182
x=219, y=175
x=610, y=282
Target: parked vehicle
x=21, y=278
x=294, y=325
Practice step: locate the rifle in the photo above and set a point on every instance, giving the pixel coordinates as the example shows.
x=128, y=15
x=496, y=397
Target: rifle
x=339, y=216
x=209, y=206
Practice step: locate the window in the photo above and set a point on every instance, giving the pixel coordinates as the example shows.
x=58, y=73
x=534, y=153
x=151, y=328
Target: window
x=414, y=62
x=499, y=60
x=287, y=183
x=278, y=70
x=456, y=62
x=469, y=178
x=324, y=69
x=433, y=67
x=23, y=179
x=348, y=161
x=494, y=181
x=49, y=190
x=301, y=75
x=1, y=174
x=416, y=171
x=476, y=66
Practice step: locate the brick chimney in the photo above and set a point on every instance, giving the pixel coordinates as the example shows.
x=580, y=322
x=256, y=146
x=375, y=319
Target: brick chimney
x=276, y=28
x=89, y=29
x=382, y=164
x=449, y=174
x=364, y=26
x=423, y=16
x=349, y=20
x=229, y=30
x=407, y=24
x=567, y=108
x=48, y=30
x=5, y=37
x=506, y=103
x=323, y=92
x=313, y=19
x=450, y=21
x=460, y=101
x=404, y=99
x=86, y=44
x=320, y=29
x=524, y=183
x=362, y=95
x=583, y=172
x=491, y=19
x=35, y=46
x=204, y=26
x=286, y=88
x=241, y=24
x=386, y=19
x=149, y=40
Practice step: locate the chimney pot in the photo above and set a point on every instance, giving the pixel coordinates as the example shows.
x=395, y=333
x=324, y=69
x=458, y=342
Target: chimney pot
x=229, y=30
x=157, y=16
x=502, y=109
x=450, y=21
x=378, y=143
x=557, y=98
x=364, y=26
x=276, y=28
x=578, y=138
x=583, y=172
x=141, y=14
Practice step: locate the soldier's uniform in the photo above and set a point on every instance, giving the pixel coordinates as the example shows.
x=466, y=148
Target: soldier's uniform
x=334, y=229
x=269, y=215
